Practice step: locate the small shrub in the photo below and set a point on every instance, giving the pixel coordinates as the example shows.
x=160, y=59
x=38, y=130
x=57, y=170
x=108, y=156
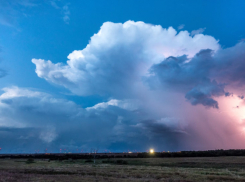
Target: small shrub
x=108, y=161
x=29, y=161
x=115, y=162
x=121, y=162
x=89, y=160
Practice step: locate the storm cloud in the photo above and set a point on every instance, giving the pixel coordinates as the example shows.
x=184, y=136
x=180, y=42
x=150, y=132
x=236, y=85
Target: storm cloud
x=29, y=115
x=203, y=77
x=162, y=88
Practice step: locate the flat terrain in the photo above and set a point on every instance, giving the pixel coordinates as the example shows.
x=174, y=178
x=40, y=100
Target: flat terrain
x=125, y=169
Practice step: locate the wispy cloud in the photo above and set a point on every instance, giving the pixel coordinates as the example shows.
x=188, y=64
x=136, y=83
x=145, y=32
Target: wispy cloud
x=66, y=12
x=63, y=8
x=181, y=26
x=54, y=4
x=10, y=11
x=27, y=3
x=198, y=31
x=242, y=40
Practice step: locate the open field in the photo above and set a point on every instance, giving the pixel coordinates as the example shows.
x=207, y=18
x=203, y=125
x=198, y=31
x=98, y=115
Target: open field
x=126, y=169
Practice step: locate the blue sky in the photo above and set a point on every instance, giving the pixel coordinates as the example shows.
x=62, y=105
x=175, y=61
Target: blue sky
x=39, y=31
x=121, y=74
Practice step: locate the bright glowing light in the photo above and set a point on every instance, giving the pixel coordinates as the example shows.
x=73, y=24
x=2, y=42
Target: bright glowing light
x=151, y=151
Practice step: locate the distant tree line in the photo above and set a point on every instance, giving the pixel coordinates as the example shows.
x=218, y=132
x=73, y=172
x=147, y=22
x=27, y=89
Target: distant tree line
x=208, y=153
x=58, y=156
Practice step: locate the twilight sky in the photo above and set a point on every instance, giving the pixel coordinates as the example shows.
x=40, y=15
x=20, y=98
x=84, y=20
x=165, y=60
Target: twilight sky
x=121, y=75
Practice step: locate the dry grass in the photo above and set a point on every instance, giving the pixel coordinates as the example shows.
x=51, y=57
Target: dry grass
x=149, y=169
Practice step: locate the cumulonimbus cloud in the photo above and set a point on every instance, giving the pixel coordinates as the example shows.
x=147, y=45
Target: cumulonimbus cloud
x=150, y=75
x=119, y=55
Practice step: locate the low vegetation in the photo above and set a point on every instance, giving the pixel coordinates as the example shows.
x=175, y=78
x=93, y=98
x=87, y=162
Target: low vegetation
x=125, y=169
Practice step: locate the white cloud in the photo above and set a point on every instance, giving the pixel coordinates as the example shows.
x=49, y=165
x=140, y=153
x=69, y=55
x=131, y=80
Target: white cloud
x=13, y=92
x=130, y=105
x=24, y=102
x=118, y=56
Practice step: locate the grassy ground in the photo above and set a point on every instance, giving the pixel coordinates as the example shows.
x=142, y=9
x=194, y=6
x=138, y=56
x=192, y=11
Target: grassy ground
x=149, y=169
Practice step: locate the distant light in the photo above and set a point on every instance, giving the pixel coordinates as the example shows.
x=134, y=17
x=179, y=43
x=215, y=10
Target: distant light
x=151, y=151
x=130, y=152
